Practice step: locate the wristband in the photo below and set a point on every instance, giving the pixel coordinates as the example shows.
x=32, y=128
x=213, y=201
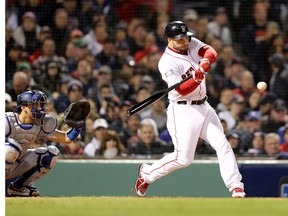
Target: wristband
x=202, y=70
x=205, y=59
x=74, y=133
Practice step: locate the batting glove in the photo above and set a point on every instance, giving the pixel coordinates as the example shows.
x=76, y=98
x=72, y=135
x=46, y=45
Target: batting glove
x=204, y=65
x=199, y=76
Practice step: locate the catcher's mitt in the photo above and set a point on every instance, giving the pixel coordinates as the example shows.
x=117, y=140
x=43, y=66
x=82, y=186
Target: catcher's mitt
x=76, y=113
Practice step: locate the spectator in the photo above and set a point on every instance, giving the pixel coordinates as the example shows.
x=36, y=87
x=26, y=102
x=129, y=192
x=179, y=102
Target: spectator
x=226, y=55
x=103, y=76
x=125, y=77
x=121, y=120
x=246, y=85
x=121, y=35
x=257, y=145
x=271, y=144
x=89, y=131
x=157, y=113
x=162, y=9
x=254, y=44
x=279, y=78
x=148, y=83
x=84, y=74
x=26, y=35
x=233, y=139
x=273, y=31
x=122, y=51
x=234, y=72
x=266, y=105
x=13, y=53
x=85, y=15
x=95, y=37
x=44, y=33
x=76, y=148
x=72, y=8
x=149, y=46
x=219, y=27
x=9, y=104
x=147, y=143
x=26, y=68
x=107, y=10
x=234, y=115
x=190, y=19
x=160, y=35
x=137, y=38
x=74, y=93
x=111, y=146
x=250, y=125
x=277, y=117
x=108, y=53
x=100, y=127
x=253, y=101
x=202, y=32
x=76, y=50
x=106, y=98
x=60, y=30
x=151, y=66
x=51, y=79
x=284, y=146
x=280, y=132
x=225, y=99
x=19, y=84
x=130, y=129
x=39, y=66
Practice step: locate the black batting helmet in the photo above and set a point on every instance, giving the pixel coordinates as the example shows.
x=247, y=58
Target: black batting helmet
x=177, y=29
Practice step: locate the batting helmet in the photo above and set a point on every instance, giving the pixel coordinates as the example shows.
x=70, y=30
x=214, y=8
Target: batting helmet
x=177, y=29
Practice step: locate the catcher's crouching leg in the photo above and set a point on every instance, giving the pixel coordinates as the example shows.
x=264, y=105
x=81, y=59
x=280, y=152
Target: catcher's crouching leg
x=45, y=159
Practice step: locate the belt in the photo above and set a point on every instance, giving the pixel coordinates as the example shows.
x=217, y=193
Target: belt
x=196, y=102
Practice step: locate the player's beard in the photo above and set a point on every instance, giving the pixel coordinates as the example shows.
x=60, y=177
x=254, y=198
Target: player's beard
x=181, y=48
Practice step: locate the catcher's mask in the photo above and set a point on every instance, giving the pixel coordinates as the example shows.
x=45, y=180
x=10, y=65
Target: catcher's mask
x=38, y=101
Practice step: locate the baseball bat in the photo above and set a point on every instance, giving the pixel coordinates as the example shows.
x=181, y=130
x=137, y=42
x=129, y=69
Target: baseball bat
x=141, y=105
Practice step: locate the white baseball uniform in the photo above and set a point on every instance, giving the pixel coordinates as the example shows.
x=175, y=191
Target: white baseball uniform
x=186, y=122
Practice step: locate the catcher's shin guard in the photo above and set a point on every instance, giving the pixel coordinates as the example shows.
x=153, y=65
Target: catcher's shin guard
x=46, y=159
x=12, y=151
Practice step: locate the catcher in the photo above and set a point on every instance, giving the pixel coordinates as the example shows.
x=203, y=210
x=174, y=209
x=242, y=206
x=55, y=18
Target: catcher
x=27, y=123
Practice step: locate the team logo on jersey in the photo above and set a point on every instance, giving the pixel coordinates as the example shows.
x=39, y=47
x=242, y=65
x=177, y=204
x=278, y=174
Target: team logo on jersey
x=169, y=73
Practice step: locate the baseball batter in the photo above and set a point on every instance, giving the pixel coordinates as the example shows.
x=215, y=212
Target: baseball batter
x=189, y=114
x=26, y=124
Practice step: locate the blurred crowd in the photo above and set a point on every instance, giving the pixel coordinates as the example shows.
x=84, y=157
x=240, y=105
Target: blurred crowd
x=108, y=52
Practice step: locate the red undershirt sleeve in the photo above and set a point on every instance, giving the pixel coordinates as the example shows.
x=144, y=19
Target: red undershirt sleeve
x=187, y=87
x=208, y=52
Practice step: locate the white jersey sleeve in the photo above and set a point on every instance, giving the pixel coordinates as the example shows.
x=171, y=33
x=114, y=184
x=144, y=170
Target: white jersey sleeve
x=174, y=67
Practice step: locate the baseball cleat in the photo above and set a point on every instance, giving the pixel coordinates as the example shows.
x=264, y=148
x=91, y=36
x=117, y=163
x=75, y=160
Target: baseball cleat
x=141, y=186
x=238, y=193
x=25, y=191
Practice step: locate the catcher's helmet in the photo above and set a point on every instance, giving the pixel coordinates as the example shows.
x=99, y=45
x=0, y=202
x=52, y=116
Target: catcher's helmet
x=33, y=97
x=177, y=29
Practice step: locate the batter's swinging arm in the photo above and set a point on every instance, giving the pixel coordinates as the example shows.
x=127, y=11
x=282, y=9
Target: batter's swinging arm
x=136, y=108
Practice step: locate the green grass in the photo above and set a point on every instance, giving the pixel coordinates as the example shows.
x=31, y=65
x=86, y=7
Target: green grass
x=148, y=206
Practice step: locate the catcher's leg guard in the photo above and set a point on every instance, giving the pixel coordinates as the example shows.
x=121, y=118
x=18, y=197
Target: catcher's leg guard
x=45, y=159
x=12, y=151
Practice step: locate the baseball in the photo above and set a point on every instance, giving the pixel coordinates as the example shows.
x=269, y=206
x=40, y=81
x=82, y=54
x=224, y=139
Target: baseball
x=262, y=86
